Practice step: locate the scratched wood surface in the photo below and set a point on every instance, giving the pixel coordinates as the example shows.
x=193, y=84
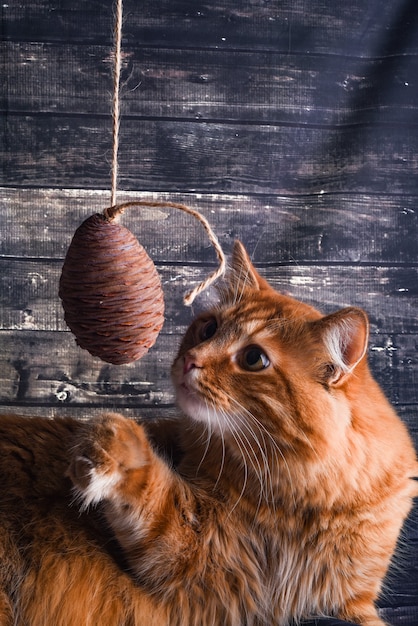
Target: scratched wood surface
x=290, y=125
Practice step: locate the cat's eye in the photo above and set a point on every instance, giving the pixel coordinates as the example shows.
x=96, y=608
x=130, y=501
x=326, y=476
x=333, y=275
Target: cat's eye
x=208, y=329
x=254, y=359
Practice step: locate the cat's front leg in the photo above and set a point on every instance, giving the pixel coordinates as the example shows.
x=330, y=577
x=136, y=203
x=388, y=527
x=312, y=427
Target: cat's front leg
x=113, y=463
x=110, y=456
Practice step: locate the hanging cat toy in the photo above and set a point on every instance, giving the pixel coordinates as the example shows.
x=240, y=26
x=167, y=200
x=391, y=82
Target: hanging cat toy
x=109, y=287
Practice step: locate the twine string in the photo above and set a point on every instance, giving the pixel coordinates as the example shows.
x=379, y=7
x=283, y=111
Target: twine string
x=116, y=102
x=115, y=210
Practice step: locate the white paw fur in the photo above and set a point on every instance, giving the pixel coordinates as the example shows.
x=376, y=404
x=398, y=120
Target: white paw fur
x=99, y=487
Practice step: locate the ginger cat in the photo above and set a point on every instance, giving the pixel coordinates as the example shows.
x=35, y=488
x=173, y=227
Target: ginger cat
x=290, y=480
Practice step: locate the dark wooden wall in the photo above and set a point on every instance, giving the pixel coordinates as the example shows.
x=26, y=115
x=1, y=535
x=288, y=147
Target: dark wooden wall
x=292, y=125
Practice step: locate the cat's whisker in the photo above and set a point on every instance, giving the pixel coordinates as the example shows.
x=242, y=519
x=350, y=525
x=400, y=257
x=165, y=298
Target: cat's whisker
x=245, y=446
x=208, y=431
x=254, y=458
x=241, y=448
x=221, y=467
x=238, y=440
x=274, y=444
x=263, y=476
x=210, y=411
x=241, y=284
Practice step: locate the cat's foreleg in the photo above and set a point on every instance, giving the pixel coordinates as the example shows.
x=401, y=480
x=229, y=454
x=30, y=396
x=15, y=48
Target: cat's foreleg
x=114, y=463
x=110, y=454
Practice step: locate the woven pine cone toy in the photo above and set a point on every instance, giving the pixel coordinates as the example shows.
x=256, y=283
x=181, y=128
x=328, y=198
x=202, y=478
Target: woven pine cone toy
x=110, y=289
x=111, y=292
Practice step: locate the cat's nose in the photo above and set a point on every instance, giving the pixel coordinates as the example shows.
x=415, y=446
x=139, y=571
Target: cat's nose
x=190, y=362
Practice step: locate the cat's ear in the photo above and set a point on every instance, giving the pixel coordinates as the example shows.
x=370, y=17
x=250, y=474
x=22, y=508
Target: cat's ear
x=241, y=274
x=345, y=336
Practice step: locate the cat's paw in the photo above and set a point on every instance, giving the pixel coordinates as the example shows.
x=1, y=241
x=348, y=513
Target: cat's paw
x=109, y=452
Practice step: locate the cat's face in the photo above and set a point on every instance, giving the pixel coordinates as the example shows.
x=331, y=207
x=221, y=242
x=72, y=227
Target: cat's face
x=266, y=365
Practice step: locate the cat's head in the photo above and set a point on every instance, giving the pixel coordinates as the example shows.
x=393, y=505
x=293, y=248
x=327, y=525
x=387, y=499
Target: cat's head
x=263, y=363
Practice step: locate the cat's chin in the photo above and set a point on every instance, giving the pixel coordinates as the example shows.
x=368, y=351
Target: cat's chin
x=195, y=407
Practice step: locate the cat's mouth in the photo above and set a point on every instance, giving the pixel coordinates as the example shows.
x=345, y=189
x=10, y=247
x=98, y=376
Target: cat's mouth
x=189, y=396
x=184, y=388
x=188, y=389
x=190, y=400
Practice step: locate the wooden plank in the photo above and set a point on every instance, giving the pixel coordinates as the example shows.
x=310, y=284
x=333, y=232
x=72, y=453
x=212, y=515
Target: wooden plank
x=163, y=155
x=88, y=412
x=56, y=78
x=408, y=413
x=38, y=20
x=210, y=85
x=394, y=362
x=357, y=28
x=328, y=228
x=29, y=294
x=48, y=369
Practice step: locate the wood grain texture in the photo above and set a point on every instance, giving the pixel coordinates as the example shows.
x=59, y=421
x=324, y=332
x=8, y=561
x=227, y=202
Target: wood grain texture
x=209, y=85
x=351, y=228
x=212, y=158
x=356, y=29
x=290, y=125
